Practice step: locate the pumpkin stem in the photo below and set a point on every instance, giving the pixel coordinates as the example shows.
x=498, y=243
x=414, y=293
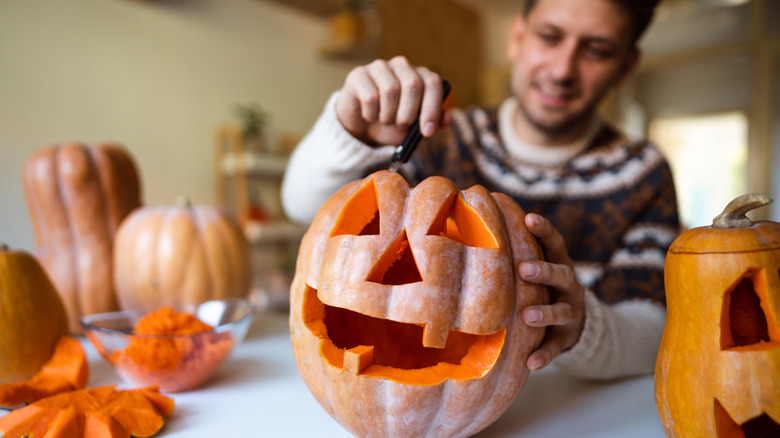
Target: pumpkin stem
x=4, y=247
x=734, y=215
x=183, y=201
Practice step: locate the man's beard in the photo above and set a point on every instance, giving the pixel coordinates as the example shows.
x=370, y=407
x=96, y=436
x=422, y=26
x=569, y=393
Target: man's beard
x=561, y=127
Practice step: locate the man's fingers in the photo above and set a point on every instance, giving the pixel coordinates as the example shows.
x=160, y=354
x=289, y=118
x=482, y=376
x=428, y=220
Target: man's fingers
x=557, y=314
x=431, y=110
x=538, y=360
x=554, y=275
x=551, y=240
x=409, y=101
x=382, y=99
x=360, y=86
x=389, y=82
x=542, y=356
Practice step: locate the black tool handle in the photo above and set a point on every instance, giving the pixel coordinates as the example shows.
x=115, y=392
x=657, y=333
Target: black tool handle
x=413, y=137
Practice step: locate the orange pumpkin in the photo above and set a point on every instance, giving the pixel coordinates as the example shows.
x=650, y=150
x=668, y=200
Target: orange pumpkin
x=405, y=307
x=77, y=195
x=718, y=368
x=171, y=255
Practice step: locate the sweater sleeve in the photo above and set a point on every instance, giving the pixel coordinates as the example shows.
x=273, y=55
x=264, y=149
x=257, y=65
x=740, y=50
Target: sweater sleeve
x=625, y=309
x=618, y=340
x=327, y=158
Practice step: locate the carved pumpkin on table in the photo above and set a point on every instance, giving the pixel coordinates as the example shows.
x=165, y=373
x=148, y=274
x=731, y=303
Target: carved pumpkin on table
x=718, y=368
x=405, y=307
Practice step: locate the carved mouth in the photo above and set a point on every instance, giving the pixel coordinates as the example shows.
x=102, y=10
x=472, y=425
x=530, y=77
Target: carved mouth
x=756, y=427
x=381, y=348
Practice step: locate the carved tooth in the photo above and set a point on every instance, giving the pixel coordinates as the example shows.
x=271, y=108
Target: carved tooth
x=358, y=358
x=434, y=338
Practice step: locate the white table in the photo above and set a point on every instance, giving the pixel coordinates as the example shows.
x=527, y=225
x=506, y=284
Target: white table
x=258, y=392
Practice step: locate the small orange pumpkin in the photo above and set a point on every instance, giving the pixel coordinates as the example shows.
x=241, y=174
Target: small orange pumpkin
x=718, y=368
x=405, y=307
x=77, y=195
x=171, y=255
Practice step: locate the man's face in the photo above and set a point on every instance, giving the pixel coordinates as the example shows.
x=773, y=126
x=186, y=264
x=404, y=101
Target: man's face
x=566, y=55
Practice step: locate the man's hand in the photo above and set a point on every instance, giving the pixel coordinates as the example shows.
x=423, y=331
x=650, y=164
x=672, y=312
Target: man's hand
x=565, y=315
x=381, y=100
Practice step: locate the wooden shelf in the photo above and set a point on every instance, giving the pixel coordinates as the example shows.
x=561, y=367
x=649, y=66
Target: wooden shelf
x=320, y=8
x=248, y=182
x=273, y=232
x=253, y=164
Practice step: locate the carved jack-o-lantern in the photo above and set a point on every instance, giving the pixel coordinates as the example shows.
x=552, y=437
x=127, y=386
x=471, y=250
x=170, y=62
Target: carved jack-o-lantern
x=405, y=307
x=718, y=369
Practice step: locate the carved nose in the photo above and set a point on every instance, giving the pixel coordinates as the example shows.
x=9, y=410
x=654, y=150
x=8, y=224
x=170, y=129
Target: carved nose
x=397, y=265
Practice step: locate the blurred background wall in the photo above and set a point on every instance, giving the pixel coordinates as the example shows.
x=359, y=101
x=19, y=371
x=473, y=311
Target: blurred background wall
x=161, y=76
x=156, y=76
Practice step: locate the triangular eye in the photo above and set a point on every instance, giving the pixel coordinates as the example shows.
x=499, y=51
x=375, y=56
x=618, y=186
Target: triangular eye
x=397, y=265
x=747, y=320
x=458, y=221
x=360, y=214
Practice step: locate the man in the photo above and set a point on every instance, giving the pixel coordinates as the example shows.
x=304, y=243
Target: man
x=602, y=206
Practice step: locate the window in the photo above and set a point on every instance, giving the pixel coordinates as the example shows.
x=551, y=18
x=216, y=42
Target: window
x=708, y=157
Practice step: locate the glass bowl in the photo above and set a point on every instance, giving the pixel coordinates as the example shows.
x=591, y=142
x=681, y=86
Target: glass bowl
x=172, y=362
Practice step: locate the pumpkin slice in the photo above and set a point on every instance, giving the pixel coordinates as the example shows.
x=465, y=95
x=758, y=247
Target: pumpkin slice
x=103, y=412
x=66, y=370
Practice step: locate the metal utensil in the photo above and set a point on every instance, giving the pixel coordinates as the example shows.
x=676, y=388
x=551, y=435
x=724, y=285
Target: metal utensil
x=413, y=137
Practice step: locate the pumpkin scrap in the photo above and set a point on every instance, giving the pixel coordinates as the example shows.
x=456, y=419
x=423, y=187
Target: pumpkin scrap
x=173, y=362
x=100, y=412
x=65, y=371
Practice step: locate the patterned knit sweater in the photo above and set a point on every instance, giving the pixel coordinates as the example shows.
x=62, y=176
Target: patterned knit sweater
x=612, y=199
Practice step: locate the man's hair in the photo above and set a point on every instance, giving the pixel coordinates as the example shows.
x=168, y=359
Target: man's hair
x=640, y=11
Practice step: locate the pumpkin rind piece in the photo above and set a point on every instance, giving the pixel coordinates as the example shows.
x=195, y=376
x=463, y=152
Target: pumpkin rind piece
x=32, y=316
x=171, y=255
x=66, y=370
x=96, y=412
x=363, y=392
x=76, y=196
